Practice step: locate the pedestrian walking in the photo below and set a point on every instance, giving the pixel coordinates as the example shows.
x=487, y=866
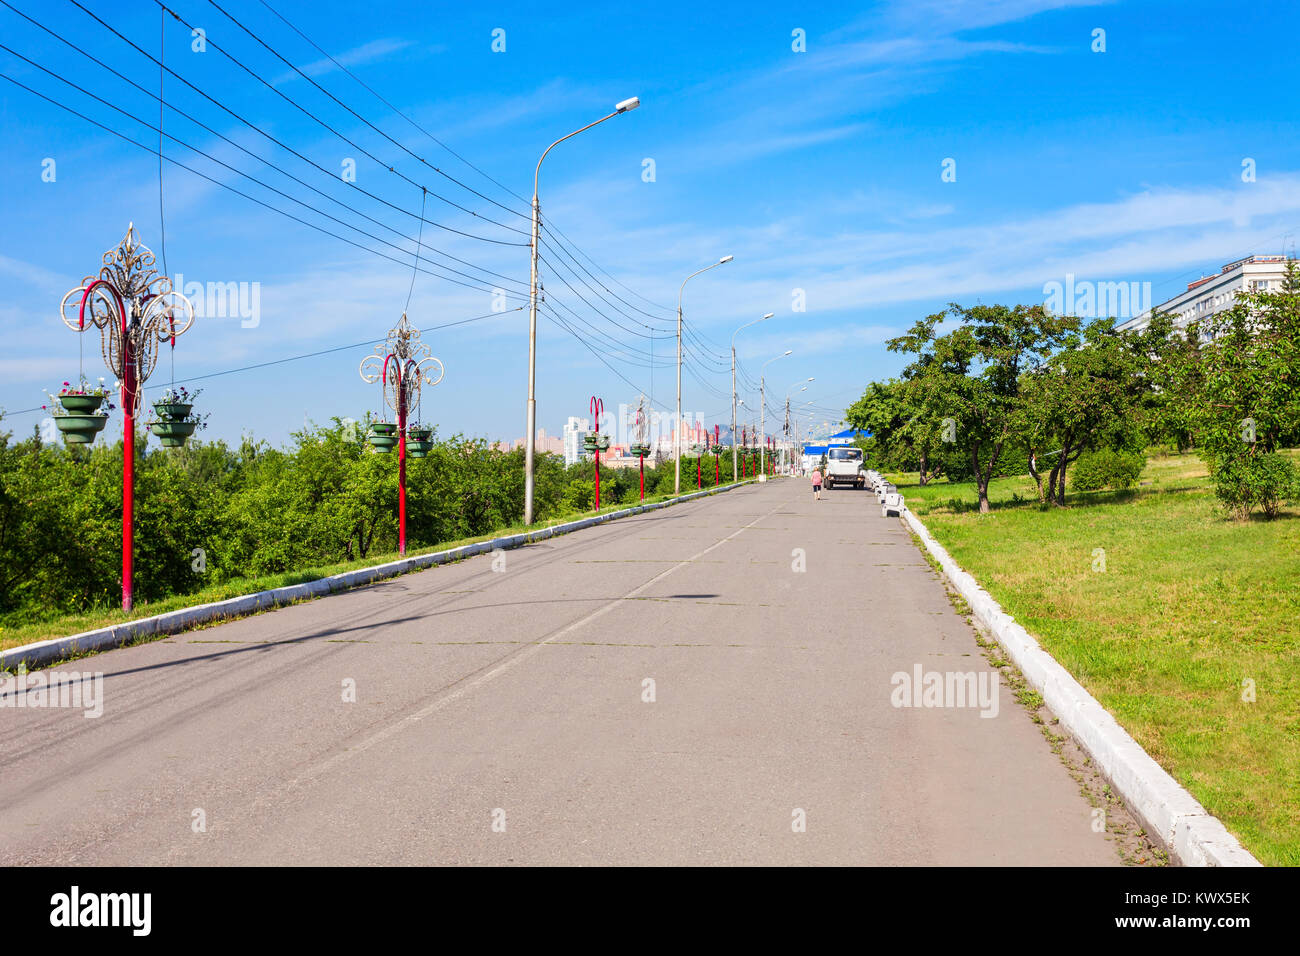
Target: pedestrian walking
x=817, y=483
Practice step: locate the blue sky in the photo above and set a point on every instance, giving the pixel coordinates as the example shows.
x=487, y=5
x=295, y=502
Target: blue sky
x=819, y=171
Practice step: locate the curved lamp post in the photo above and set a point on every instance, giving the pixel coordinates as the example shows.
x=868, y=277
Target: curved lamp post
x=677, y=430
x=135, y=310
x=530, y=436
x=402, y=363
x=597, y=406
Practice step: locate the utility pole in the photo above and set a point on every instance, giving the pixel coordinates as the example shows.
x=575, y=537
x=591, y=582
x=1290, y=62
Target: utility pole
x=762, y=402
x=530, y=433
x=734, y=453
x=677, y=430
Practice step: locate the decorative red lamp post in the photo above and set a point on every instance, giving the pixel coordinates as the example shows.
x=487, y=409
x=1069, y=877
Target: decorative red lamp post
x=402, y=363
x=135, y=310
x=717, y=452
x=641, y=449
x=597, y=406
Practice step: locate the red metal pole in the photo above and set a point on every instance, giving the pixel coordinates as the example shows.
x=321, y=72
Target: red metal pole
x=698, y=460
x=596, y=406
x=643, y=477
x=128, y=468
x=401, y=464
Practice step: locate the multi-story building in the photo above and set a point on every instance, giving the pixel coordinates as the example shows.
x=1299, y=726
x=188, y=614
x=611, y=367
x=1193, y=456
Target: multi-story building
x=543, y=444
x=1212, y=294
x=575, y=430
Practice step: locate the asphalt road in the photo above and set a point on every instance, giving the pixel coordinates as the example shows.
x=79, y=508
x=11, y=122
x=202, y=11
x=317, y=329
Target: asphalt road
x=501, y=716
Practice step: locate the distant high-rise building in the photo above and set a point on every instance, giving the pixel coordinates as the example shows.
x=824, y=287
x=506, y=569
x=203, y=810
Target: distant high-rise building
x=575, y=430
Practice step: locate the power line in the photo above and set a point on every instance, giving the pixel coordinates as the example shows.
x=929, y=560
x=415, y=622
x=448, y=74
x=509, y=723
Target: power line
x=435, y=139
x=246, y=151
x=353, y=112
x=282, y=145
x=562, y=240
x=237, y=192
x=306, y=112
x=238, y=172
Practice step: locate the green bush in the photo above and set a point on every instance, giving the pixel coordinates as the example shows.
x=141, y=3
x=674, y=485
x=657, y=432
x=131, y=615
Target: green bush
x=1106, y=468
x=1244, y=482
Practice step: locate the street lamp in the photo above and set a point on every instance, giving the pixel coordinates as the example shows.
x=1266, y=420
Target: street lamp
x=530, y=435
x=734, y=464
x=677, y=432
x=135, y=310
x=762, y=405
x=403, y=364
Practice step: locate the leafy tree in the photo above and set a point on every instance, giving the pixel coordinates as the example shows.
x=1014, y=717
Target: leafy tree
x=904, y=436
x=968, y=381
x=1248, y=403
x=1081, y=398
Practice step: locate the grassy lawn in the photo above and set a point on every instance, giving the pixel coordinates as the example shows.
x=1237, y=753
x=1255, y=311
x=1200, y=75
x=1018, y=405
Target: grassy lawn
x=67, y=624
x=1190, y=605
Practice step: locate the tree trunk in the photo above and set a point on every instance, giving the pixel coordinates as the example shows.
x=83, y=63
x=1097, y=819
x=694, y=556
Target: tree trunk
x=924, y=478
x=981, y=479
x=1063, y=464
x=1033, y=473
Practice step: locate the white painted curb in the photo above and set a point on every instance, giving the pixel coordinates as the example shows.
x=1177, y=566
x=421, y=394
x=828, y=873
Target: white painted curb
x=1168, y=812
x=106, y=638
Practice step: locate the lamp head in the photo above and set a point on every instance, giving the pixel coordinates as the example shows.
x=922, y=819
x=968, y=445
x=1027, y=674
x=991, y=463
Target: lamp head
x=725, y=259
x=628, y=105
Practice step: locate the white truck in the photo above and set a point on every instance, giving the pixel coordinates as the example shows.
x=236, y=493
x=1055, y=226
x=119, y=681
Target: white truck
x=844, y=466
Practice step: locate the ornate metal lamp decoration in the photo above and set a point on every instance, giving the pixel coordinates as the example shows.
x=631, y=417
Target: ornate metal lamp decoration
x=403, y=365
x=596, y=442
x=717, y=452
x=641, y=447
x=135, y=310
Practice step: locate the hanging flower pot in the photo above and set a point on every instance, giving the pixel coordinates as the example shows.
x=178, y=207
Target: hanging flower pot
x=640, y=451
x=173, y=433
x=175, y=404
x=80, y=412
x=81, y=404
x=80, y=429
x=171, y=411
x=419, y=439
x=382, y=436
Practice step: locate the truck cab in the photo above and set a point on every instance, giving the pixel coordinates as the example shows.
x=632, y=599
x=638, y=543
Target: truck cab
x=845, y=466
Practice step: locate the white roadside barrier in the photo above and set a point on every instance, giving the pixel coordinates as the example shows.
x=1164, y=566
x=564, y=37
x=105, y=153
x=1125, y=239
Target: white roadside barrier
x=117, y=635
x=1170, y=814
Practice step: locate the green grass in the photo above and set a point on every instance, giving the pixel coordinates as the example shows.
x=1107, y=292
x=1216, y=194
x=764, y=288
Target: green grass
x=63, y=625
x=1191, y=604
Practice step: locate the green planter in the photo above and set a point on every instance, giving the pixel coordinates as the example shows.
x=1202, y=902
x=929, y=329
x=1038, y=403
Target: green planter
x=172, y=434
x=80, y=429
x=418, y=447
x=382, y=436
x=171, y=411
x=419, y=434
x=81, y=404
x=640, y=451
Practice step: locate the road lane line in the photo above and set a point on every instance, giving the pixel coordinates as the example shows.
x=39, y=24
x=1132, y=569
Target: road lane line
x=510, y=662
